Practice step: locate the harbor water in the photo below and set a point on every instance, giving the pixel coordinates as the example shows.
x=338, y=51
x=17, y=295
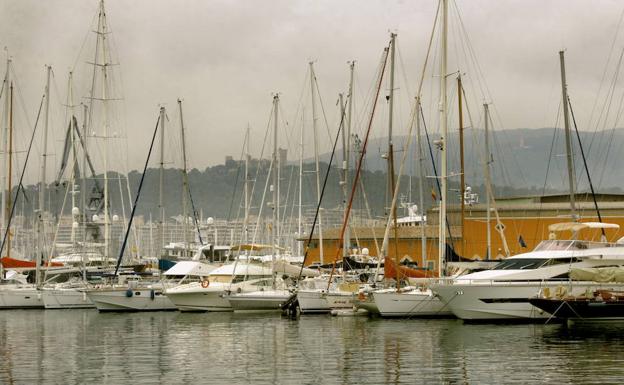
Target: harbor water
x=83, y=346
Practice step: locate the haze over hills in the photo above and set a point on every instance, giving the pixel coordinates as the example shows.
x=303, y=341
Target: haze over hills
x=520, y=167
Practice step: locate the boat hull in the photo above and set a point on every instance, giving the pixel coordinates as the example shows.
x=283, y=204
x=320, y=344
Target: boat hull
x=66, y=299
x=259, y=301
x=508, y=301
x=117, y=300
x=312, y=302
x=20, y=298
x=410, y=304
x=199, y=299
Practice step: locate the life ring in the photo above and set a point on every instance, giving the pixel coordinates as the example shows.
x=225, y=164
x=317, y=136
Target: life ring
x=205, y=283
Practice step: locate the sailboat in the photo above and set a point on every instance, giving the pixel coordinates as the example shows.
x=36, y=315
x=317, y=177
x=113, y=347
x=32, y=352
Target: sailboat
x=22, y=295
x=273, y=297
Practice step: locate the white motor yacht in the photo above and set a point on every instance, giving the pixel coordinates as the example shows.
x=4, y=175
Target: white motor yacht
x=503, y=292
x=139, y=295
x=209, y=294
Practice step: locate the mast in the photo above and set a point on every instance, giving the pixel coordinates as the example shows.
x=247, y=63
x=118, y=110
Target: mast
x=316, y=161
x=70, y=106
x=247, y=181
x=8, y=208
x=275, y=206
x=421, y=188
x=185, y=181
x=83, y=199
x=488, y=197
x=443, y=135
x=42, y=181
x=5, y=136
x=391, y=152
x=343, y=182
x=347, y=153
x=299, y=216
x=161, y=206
x=568, y=137
x=462, y=177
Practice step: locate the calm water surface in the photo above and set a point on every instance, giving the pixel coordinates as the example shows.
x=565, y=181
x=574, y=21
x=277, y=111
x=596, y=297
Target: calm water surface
x=83, y=346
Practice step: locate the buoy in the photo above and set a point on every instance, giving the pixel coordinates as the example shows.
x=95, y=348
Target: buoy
x=205, y=284
x=129, y=293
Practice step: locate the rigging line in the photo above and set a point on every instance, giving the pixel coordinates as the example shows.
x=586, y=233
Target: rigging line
x=136, y=198
x=318, y=93
x=318, y=207
x=201, y=241
x=591, y=186
x=612, y=134
x=359, y=166
x=609, y=99
x=604, y=72
x=20, y=185
x=427, y=55
x=435, y=173
x=238, y=169
x=266, y=185
x=552, y=146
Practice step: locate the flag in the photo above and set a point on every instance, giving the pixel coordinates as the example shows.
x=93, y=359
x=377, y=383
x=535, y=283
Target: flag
x=433, y=195
x=521, y=241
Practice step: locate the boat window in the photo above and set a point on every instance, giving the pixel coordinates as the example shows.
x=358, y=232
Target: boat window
x=521, y=264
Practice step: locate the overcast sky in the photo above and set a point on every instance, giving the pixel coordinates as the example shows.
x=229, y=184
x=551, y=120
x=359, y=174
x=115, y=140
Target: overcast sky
x=226, y=58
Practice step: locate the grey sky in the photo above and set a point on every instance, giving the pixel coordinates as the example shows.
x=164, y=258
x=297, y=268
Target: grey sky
x=225, y=58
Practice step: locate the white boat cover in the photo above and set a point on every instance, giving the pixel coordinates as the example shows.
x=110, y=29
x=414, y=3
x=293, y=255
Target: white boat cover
x=245, y=268
x=598, y=274
x=190, y=268
x=283, y=267
x=577, y=226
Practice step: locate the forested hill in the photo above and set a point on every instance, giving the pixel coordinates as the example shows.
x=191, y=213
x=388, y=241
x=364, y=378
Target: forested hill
x=522, y=161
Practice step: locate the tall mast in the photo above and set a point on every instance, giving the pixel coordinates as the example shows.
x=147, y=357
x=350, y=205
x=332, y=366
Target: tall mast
x=102, y=33
x=5, y=136
x=185, y=181
x=347, y=152
x=443, y=135
x=70, y=106
x=42, y=181
x=161, y=206
x=421, y=188
x=10, y=188
x=462, y=177
x=391, y=151
x=247, y=180
x=299, y=216
x=347, y=246
x=316, y=161
x=83, y=188
x=568, y=137
x=275, y=206
x=488, y=197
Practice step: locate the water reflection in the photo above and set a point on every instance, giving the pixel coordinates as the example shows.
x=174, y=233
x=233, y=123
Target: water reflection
x=83, y=346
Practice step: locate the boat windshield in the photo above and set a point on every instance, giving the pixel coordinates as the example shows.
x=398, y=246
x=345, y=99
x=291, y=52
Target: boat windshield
x=521, y=264
x=557, y=244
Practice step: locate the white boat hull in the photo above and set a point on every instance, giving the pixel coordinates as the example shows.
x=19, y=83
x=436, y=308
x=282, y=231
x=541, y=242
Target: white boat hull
x=414, y=303
x=340, y=300
x=312, y=301
x=66, y=299
x=141, y=300
x=193, y=297
x=496, y=301
x=20, y=298
x=271, y=300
